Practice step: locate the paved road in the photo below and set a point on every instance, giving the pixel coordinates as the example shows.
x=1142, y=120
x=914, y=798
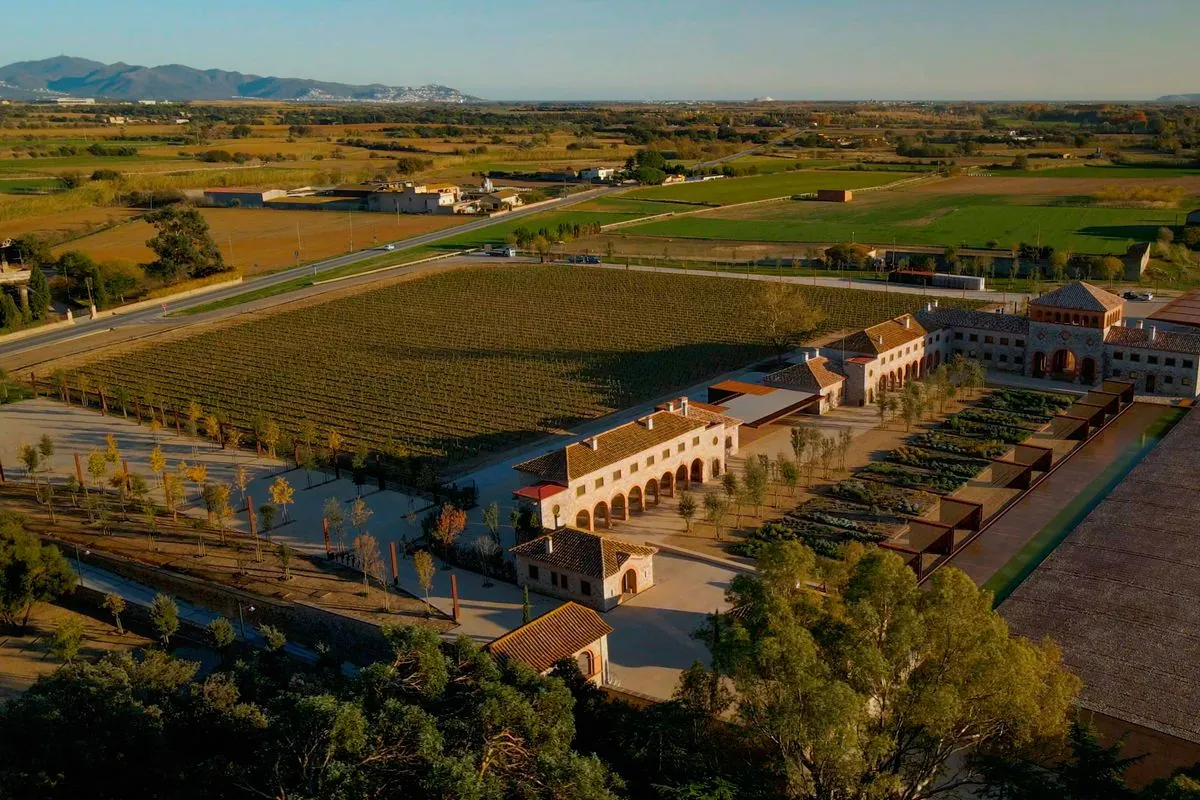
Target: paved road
x=151, y=315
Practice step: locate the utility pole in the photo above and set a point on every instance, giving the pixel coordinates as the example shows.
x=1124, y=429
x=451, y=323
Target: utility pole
x=297, y=243
x=351, y=215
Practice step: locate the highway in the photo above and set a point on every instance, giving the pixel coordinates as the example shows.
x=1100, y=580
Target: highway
x=83, y=327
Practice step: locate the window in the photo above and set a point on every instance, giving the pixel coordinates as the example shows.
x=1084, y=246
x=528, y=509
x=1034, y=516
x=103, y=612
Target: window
x=1118, y=355
x=680, y=447
x=989, y=340
x=1018, y=359
x=1003, y=358
x=616, y=475
x=1186, y=381
x=958, y=351
x=1004, y=340
x=580, y=491
x=716, y=440
x=562, y=582
x=633, y=468
x=533, y=572
x=666, y=454
x=974, y=337
x=1133, y=373
x=1135, y=356
x=599, y=482
x=585, y=587
x=1116, y=373
x=1187, y=363
x=1170, y=361
x=1020, y=342
x=1168, y=379
x=1151, y=359
x=649, y=461
x=958, y=336
x=987, y=356
x=553, y=578
x=695, y=441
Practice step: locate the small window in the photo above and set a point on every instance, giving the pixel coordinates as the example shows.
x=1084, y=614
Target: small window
x=580, y=491
x=1003, y=358
x=585, y=587
x=958, y=351
x=1135, y=356
x=1187, y=363
x=1116, y=373
x=633, y=468
x=1168, y=379
x=599, y=482
x=1170, y=361
x=1004, y=340
x=666, y=454
x=562, y=582
x=1133, y=373
x=1020, y=342
x=958, y=336
x=1186, y=381
x=680, y=447
x=1118, y=355
x=1151, y=359
x=987, y=356
x=989, y=340
x=553, y=578
x=695, y=441
x=533, y=572
x=716, y=440
x=616, y=475
x=1018, y=359
x=649, y=461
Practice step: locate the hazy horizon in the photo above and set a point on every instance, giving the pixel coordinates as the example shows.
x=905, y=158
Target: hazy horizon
x=617, y=50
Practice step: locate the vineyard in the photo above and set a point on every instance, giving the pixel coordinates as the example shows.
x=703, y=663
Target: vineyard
x=472, y=361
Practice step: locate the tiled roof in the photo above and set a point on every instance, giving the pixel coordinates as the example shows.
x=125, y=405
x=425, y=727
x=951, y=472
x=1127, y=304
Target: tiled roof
x=809, y=376
x=707, y=413
x=940, y=318
x=612, y=446
x=882, y=337
x=742, y=387
x=553, y=636
x=1167, y=341
x=1079, y=296
x=590, y=554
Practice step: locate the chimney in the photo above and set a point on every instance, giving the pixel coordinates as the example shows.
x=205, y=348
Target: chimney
x=593, y=443
x=549, y=544
x=1141, y=324
x=906, y=321
x=683, y=405
x=671, y=405
x=1153, y=332
x=647, y=422
x=929, y=306
x=879, y=338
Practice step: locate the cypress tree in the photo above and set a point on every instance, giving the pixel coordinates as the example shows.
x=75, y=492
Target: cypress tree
x=39, y=293
x=10, y=315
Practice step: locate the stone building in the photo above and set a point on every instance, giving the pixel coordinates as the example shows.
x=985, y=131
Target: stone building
x=569, y=631
x=606, y=477
x=597, y=570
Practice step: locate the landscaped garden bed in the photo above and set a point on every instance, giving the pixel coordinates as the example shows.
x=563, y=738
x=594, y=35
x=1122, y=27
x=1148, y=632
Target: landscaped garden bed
x=883, y=497
x=957, y=466
x=824, y=540
x=982, y=430
x=912, y=478
x=959, y=445
x=1025, y=401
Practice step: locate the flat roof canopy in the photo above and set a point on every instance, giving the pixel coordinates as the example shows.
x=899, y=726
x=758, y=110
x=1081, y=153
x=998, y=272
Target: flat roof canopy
x=760, y=409
x=538, y=491
x=1183, y=310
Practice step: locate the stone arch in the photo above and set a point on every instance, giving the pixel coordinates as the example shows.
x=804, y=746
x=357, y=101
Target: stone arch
x=1063, y=362
x=586, y=663
x=907, y=372
x=636, y=503
x=629, y=582
x=600, y=517
x=697, y=473
x=681, y=476
x=618, y=507
x=666, y=484
x=652, y=492
x=583, y=520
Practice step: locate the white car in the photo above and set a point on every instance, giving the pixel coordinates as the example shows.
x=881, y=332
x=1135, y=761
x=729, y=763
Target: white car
x=389, y=247
x=1145, y=296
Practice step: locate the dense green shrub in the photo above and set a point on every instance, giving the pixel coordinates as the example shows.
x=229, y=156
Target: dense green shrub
x=878, y=495
x=910, y=478
x=959, y=466
x=934, y=440
x=824, y=540
x=1025, y=401
x=993, y=416
x=980, y=430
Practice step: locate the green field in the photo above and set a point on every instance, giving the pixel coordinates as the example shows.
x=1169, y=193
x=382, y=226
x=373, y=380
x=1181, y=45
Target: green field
x=23, y=185
x=1107, y=172
x=494, y=234
x=940, y=221
x=631, y=205
x=474, y=360
x=769, y=165
x=762, y=187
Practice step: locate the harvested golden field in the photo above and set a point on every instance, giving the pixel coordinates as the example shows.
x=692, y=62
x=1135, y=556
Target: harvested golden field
x=68, y=223
x=264, y=239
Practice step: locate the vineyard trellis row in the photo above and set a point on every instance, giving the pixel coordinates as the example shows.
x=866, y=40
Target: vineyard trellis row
x=473, y=361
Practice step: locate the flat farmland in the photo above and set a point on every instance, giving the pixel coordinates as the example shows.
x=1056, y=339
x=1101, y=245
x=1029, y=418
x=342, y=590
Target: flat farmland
x=927, y=219
x=471, y=361
x=265, y=239
x=550, y=220
x=725, y=191
x=66, y=223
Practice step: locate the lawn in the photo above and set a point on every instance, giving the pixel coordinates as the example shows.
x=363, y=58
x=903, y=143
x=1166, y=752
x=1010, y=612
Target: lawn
x=474, y=360
x=622, y=204
x=263, y=240
x=762, y=187
x=930, y=219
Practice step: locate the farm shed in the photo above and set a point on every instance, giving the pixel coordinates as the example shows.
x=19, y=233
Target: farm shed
x=835, y=195
x=245, y=198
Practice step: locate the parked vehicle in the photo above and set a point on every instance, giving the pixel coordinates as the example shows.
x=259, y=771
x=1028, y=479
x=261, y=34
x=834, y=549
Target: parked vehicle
x=1145, y=296
x=591, y=259
x=1130, y=295
x=502, y=252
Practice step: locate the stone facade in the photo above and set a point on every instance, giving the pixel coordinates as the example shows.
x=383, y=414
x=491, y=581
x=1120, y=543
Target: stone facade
x=595, y=570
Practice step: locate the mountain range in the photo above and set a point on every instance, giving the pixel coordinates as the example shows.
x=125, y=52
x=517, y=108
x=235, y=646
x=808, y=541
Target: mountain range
x=1179, y=98
x=66, y=76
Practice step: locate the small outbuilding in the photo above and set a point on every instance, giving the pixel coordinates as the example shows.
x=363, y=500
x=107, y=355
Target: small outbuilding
x=835, y=195
x=241, y=197
x=570, y=631
x=596, y=570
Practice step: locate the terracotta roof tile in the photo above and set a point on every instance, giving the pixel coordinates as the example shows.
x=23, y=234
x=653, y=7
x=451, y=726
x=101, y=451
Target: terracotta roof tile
x=1167, y=341
x=612, y=447
x=940, y=318
x=742, y=387
x=553, y=636
x=591, y=554
x=1079, y=296
x=809, y=376
x=882, y=337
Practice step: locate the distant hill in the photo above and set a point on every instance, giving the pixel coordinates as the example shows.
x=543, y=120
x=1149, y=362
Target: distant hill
x=1179, y=98
x=80, y=77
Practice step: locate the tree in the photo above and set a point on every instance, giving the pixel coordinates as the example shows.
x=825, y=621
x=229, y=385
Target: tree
x=39, y=293
x=183, y=244
x=878, y=690
x=526, y=606
x=10, y=316
x=172, y=494
x=360, y=515
x=789, y=474
x=491, y=520
x=282, y=495
x=30, y=572
x=220, y=634
x=1165, y=236
x=754, y=484
x=67, y=638
x=31, y=459
x=285, y=553
x=782, y=317
x=97, y=466
x=423, y=565
x=115, y=605
x=267, y=512
x=164, y=618
x=272, y=637
x=158, y=463
x=332, y=512
x=1111, y=267
x=449, y=524
x=687, y=509
x=716, y=508
x=366, y=550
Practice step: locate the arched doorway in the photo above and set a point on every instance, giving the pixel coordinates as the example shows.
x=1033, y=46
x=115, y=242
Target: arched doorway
x=651, y=491
x=1087, y=370
x=697, y=475
x=1063, y=363
x=619, y=508
x=666, y=485
x=635, y=500
x=715, y=471
x=629, y=582
x=681, y=476
x=1039, y=365
x=583, y=520
x=600, y=516
x=586, y=663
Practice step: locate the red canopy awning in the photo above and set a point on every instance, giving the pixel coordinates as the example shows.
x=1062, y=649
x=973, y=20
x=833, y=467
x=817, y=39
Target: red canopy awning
x=539, y=491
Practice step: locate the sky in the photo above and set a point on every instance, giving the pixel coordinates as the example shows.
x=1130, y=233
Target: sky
x=651, y=49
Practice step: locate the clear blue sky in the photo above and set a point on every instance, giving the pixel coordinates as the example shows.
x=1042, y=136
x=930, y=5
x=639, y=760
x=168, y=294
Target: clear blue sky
x=651, y=49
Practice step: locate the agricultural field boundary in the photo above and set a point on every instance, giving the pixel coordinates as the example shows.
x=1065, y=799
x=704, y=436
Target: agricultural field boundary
x=439, y=257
